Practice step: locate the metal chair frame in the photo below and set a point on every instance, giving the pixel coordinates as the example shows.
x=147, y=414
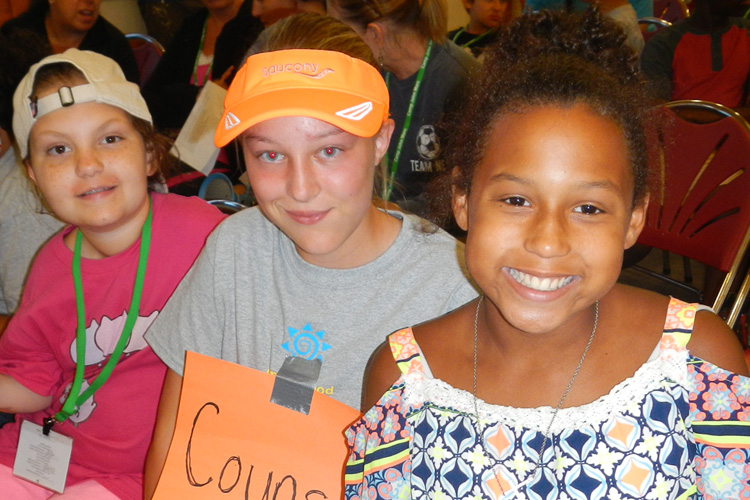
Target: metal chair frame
x=655, y=21
x=652, y=21
x=147, y=39
x=669, y=12
x=146, y=63
x=692, y=214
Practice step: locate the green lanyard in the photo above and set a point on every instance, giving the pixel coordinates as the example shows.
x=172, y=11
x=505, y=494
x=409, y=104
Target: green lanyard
x=473, y=40
x=388, y=187
x=198, y=57
x=76, y=398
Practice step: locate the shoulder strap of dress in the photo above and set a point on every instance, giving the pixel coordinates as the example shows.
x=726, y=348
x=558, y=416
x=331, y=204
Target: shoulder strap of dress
x=678, y=326
x=405, y=351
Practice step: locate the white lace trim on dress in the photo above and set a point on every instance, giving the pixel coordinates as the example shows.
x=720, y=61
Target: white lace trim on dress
x=668, y=370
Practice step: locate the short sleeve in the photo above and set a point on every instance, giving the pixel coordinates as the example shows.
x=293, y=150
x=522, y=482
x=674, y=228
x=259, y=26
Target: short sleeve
x=190, y=321
x=720, y=417
x=27, y=355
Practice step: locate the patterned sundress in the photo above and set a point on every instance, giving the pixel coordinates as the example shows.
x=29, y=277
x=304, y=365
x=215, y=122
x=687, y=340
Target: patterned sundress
x=678, y=428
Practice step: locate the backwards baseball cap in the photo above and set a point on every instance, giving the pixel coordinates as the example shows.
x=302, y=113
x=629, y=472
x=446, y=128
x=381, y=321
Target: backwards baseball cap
x=107, y=85
x=330, y=86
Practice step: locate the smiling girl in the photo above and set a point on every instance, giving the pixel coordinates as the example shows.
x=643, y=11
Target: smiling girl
x=73, y=358
x=557, y=382
x=317, y=270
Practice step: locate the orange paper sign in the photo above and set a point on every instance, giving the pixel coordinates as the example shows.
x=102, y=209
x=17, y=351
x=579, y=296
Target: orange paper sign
x=231, y=442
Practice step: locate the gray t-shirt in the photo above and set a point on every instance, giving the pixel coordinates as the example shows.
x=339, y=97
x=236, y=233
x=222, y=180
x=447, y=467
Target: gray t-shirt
x=24, y=228
x=251, y=299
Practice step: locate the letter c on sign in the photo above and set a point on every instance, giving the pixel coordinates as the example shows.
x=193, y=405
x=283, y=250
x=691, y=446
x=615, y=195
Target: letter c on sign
x=188, y=461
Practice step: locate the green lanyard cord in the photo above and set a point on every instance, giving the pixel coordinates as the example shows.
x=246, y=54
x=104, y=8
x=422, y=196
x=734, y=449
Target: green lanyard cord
x=473, y=40
x=76, y=398
x=198, y=58
x=388, y=187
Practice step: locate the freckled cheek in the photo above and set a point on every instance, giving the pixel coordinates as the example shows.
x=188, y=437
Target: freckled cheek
x=47, y=177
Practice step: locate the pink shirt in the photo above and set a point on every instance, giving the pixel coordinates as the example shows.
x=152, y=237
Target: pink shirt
x=111, y=432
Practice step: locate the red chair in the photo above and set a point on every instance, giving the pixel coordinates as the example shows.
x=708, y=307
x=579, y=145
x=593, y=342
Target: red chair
x=700, y=208
x=671, y=10
x=147, y=52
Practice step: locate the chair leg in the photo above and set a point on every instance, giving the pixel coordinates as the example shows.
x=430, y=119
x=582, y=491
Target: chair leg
x=688, y=270
x=665, y=262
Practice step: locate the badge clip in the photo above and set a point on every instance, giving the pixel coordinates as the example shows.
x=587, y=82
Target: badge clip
x=48, y=423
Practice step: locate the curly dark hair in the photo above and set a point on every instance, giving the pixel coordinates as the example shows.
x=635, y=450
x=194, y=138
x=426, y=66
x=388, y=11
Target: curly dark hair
x=548, y=58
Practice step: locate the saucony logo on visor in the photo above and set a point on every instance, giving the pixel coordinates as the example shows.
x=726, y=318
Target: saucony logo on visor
x=231, y=121
x=357, y=112
x=304, y=69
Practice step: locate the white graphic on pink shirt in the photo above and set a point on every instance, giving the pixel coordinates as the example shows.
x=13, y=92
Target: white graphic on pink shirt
x=101, y=339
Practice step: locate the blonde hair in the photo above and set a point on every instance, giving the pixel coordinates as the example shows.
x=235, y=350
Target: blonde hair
x=309, y=30
x=428, y=18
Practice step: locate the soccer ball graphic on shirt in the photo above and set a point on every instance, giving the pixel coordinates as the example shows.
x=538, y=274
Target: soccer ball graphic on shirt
x=428, y=144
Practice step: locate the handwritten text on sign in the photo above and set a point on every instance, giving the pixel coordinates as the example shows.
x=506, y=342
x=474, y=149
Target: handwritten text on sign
x=230, y=441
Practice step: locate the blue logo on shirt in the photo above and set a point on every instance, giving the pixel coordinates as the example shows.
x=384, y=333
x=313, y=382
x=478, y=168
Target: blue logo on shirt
x=305, y=343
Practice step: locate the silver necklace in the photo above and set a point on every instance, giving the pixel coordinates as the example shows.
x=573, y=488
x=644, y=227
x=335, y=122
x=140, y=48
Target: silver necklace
x=554, y=412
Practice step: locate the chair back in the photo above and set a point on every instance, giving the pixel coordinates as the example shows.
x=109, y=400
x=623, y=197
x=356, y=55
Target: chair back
x=652, y=25
x=217, y=186
x=671, y=10
x=147, y=52
x=700, y=203
x=228, y=207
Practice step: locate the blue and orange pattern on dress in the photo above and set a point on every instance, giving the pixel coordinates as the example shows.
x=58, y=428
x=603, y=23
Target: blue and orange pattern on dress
x=679, y=428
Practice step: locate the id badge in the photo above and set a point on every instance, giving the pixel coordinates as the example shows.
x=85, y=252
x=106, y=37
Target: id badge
x=42, y=459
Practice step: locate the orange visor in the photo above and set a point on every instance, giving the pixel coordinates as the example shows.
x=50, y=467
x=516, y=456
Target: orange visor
x=330, y=86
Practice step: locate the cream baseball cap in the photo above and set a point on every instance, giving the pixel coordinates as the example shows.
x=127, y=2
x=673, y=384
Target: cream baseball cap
x=107, y=85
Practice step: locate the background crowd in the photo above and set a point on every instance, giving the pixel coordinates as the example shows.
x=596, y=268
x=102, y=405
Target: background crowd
x=83, y=113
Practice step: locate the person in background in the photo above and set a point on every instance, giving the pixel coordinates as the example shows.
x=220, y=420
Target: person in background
x=643, y=8
x=270, y=11
x=66, y=24
x=87, y=141
x=125, y=15
x=207, y=46
x=706, y=56
x=320, y=266
x=484, y=18
x=25, y=225
x=557, y=382
x=426, y=75
x=622, y=12
x=310, y=30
